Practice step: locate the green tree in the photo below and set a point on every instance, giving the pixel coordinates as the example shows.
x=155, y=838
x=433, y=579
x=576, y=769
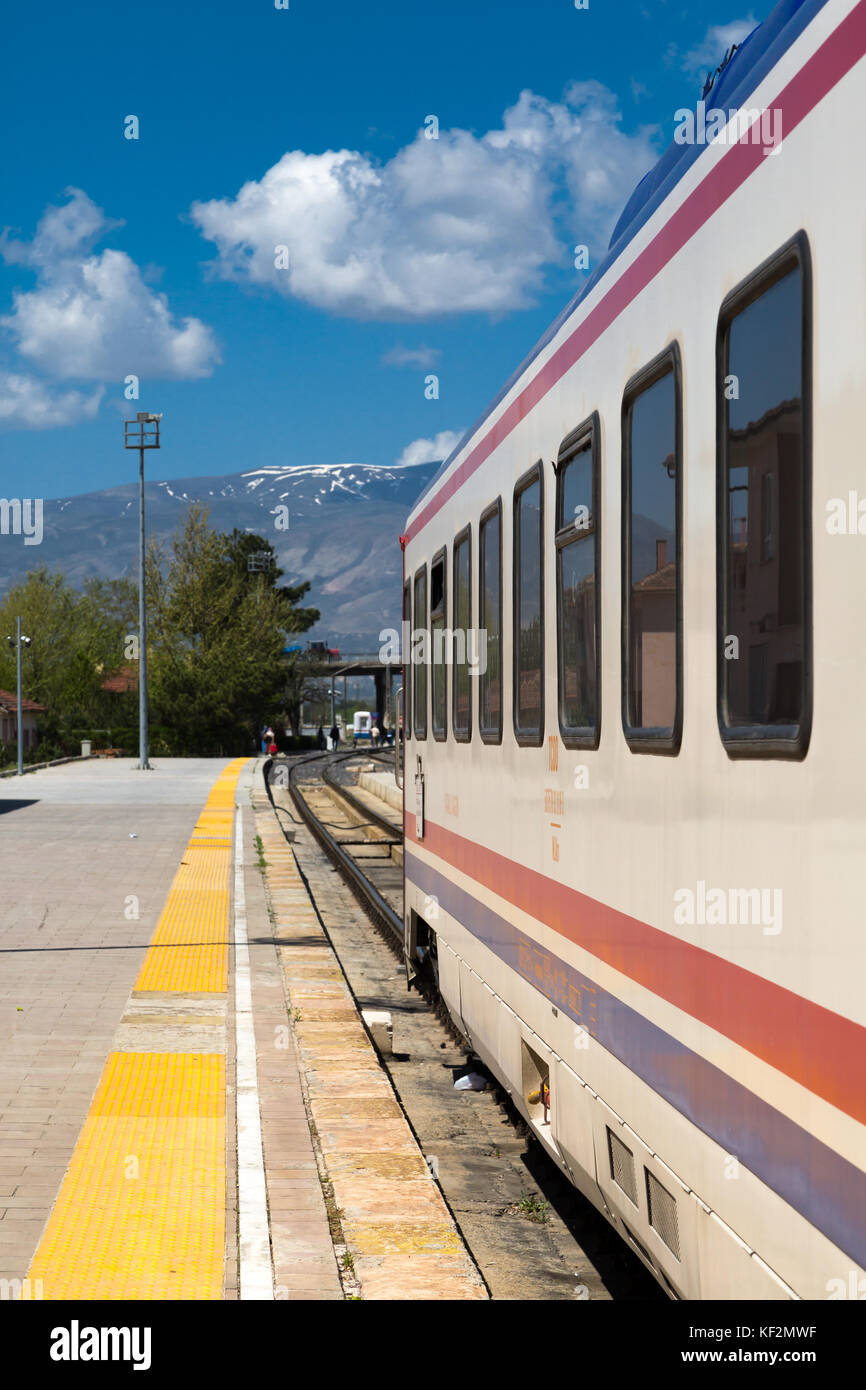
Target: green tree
x=254, y=558
x=111, y=606
x=77, y=637
x=216, y=637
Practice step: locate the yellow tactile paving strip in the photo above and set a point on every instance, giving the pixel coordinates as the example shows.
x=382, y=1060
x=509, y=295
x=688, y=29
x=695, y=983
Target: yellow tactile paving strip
x=189, y=950
x=141, y=1211
x=401, y=1235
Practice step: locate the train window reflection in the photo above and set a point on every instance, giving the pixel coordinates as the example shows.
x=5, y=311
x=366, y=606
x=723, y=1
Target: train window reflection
x=577, y=584
x=419, y=659
x=528, y=610
x=652, y=481
x=438, y=608
x=763, y=658
x=464, y=648
x=490, y=624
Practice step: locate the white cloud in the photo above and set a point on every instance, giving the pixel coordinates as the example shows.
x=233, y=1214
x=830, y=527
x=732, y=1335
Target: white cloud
x=400, y=356
x=27, y=403
x=92, y=316
x=429, y=450
x=462, y=223
x=705, y=57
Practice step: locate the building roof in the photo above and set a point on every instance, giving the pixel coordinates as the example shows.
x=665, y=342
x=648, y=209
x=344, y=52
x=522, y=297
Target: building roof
x=9, y=704
x=660, y=581
x=122, y=681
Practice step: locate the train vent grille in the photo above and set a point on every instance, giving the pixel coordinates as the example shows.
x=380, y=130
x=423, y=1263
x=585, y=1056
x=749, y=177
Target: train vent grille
x=663, y=1213
x=622, y=1166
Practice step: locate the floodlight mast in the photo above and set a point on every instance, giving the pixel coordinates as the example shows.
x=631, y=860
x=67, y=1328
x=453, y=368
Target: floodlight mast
x=142, y=433
x=19, y=641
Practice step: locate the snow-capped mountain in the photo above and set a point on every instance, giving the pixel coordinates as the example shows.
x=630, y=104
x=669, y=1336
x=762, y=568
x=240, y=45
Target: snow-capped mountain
x=344, y=524
x=309, y=484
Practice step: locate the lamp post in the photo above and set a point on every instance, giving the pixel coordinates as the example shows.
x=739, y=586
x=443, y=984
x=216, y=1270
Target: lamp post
x=19, y=641
x=142, y=433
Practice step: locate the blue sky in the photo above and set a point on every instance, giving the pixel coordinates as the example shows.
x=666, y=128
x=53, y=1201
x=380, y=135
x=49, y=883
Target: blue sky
x=305, y=128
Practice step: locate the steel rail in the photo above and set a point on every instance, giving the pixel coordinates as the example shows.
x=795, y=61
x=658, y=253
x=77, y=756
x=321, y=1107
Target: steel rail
x=380, y=821
x=363, y=889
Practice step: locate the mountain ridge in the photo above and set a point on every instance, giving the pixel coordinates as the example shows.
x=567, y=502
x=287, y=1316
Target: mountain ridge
x=344, y=525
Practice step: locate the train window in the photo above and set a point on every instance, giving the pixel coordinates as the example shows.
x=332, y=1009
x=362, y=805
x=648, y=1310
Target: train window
x=529, y=609
x=407, y=662
x=490, y=624
x=465, y=649
x=578, y=576
x=763, y=510
x=419, y=655
x=438, y=638
x=652, y=643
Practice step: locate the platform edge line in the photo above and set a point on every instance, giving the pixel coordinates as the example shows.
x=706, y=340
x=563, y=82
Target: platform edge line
x=254, y=1240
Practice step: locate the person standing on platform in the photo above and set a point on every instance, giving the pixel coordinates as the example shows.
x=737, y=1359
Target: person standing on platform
x=335, y=737
x=321, y=741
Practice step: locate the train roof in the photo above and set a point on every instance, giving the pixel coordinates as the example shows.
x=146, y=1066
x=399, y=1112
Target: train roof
x=756, y=56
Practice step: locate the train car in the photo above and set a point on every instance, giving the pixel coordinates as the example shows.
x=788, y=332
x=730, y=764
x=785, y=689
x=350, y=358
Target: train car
x=634, y=753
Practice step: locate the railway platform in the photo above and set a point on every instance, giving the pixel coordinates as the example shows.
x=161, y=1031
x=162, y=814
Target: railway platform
x=191, y=1105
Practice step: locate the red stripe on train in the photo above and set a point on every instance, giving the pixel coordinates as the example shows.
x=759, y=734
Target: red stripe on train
x=836, y=56
x=820, y=1049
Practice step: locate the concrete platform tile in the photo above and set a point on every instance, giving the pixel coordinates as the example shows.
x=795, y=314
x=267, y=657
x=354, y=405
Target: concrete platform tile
x=384, y=1165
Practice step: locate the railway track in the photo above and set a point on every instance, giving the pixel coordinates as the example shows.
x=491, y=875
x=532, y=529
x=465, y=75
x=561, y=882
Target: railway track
x=533, y=1237
x=317, y=814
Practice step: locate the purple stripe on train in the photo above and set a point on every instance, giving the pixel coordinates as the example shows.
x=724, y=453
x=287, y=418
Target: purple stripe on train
x=823, y=1186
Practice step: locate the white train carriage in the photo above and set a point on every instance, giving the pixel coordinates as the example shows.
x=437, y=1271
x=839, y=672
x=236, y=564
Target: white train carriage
x=635, y=825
